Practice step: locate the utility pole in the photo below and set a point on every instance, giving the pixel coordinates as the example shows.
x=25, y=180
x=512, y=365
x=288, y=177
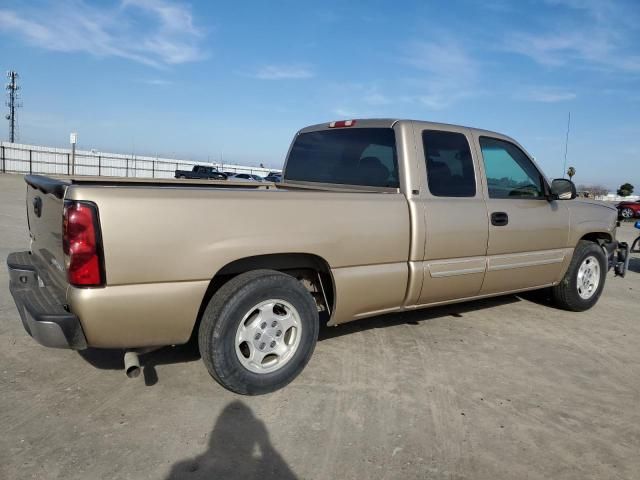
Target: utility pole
x=566, y=147
x=13, y=102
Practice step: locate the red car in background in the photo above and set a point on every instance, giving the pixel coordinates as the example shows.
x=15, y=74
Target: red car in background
x=629, y=209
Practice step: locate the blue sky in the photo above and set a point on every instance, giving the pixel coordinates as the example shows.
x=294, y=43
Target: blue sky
x=237, y=79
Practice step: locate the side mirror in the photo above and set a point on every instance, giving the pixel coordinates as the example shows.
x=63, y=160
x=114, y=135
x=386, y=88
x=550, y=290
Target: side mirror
x=563, y=189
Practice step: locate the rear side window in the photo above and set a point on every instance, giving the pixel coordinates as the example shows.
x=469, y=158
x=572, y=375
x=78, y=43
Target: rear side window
x=353, y=156
x=510, y=173
x=450, y=170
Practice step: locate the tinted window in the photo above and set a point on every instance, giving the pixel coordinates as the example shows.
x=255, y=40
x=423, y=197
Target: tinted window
x=510, y=173
x=353, y=156
x=450, y=170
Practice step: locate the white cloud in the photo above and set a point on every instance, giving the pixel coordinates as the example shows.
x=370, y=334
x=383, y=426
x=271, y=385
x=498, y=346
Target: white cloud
x=346, y=113
x=593, y=34
x=153, y=32
x=547, y=95
x=157, y=82
x=450, y=73
x=284, y=72
x=376, y=98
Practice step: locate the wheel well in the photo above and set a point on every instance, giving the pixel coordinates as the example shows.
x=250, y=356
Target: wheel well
x=597, y=237
x=311, y=270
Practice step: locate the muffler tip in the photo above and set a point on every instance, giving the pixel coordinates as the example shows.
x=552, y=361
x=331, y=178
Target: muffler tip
x=131, y=364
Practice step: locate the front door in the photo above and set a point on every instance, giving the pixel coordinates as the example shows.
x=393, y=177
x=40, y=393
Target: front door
x=528, y=234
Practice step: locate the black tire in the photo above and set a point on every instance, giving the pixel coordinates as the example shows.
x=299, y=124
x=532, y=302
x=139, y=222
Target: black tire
x=226, y=309
x=565, y=294
x=629, y=213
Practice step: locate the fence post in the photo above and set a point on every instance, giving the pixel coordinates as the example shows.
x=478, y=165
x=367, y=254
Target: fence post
x=127, y=174
x=68, y=163
x=4, y=169
x=99, y=165
x=153, y=169
x=30, y=163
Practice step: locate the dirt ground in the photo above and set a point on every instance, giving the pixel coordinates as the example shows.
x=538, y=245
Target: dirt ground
x=505, y=388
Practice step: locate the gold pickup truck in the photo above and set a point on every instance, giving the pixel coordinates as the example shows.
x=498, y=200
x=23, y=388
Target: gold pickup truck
x=372, y=217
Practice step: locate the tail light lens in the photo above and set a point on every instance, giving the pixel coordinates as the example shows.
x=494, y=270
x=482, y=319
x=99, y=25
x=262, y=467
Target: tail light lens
x=82, y=244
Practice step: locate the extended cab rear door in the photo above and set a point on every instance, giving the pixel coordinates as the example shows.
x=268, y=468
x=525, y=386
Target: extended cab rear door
x=455, y=213
x=528, y=234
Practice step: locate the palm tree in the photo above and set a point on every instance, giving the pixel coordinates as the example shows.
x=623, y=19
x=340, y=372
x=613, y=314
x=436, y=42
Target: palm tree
x=571, y=172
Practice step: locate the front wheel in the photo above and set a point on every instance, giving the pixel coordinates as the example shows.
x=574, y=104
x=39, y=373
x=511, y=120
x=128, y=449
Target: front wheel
x=582, y=285
x=258, y=332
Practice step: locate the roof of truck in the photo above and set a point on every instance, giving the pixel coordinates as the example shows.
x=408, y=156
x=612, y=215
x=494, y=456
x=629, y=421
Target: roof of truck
x=390, y=122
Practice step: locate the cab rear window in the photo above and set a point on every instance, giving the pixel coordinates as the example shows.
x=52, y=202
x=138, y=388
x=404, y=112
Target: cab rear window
x=354, y=156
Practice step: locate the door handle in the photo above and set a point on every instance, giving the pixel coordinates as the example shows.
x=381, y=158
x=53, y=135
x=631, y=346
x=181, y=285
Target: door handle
x=499, y=219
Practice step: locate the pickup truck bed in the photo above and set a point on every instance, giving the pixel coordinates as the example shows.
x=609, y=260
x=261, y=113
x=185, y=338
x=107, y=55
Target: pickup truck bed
x=60, y=183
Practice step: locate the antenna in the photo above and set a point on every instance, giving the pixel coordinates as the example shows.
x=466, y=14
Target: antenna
x=13, y=102
x=566, y=147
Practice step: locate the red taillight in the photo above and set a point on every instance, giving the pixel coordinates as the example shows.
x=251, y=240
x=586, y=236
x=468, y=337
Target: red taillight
x=81, y=244
x=342, y=124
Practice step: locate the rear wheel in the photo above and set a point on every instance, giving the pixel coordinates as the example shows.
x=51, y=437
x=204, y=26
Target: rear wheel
x=258, y=332
x=582, y=285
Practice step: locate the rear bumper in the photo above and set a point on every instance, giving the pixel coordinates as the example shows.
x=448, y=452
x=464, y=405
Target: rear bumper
x=41, y=305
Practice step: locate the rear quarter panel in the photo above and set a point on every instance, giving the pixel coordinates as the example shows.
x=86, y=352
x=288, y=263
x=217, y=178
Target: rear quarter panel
x=158, y=238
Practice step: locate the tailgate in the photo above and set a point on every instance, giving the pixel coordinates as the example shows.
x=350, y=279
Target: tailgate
x=45, y=200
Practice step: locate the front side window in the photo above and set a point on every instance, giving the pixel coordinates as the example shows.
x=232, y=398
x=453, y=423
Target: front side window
x=450, y=170
x=510, y=173
x=350, y=156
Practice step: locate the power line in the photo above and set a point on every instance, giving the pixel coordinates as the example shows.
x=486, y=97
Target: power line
x=13, y=102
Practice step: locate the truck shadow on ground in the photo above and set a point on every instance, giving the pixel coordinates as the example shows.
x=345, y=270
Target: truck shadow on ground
x=239, y=447
x=108, y=359
x=415, y=317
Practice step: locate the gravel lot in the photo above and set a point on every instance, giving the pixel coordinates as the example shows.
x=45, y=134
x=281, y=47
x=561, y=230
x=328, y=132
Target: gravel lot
x=503, y=388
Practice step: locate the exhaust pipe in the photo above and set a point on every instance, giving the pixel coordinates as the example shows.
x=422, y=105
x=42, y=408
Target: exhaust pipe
x=131, y=364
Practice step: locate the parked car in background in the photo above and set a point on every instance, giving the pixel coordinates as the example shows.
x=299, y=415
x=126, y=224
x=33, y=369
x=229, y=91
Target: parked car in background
x=274, y=177
x=245, y=177
x=629, y=209
x=200, y=172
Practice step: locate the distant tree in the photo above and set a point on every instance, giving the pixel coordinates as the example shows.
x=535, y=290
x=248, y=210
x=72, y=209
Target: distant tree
x=571, y=172
x=599, y=190
x=625, y=190
x=594, y=190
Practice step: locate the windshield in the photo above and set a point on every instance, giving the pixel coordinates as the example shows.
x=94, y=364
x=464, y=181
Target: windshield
x=358, y=156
